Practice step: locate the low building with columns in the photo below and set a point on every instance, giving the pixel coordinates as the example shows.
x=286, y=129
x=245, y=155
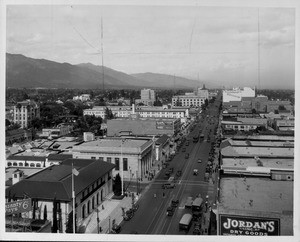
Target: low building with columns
x=133, y=157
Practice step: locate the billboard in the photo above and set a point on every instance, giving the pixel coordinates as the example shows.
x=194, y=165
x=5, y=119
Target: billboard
x=20, y=206
x=250, y=226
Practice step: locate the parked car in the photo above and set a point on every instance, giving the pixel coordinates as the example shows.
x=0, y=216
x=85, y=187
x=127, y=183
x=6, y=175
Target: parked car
x=175, y=202
x=199, y=161
x=195, y=172
x=170, y=211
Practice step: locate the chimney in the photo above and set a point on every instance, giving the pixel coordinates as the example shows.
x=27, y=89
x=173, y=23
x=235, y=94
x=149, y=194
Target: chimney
x=17, y=176
x=133, y=108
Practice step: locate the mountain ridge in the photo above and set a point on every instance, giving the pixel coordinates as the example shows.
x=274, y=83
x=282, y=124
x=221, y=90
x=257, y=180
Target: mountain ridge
x=27, y=72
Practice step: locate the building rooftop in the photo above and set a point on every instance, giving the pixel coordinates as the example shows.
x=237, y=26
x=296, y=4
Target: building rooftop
x=55, y=181
x=264, y=137
x=262, y=162
x=137, y=127
x=235, y=151
x=115, y=145
x=259, y=195
x=261, y=143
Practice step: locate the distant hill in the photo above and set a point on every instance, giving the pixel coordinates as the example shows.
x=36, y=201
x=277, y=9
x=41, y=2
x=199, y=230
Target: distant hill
x=25, y=72
x=167, y=81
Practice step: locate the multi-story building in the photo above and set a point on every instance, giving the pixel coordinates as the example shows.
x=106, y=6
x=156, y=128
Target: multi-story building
x=143, y=112
x=117, y=111
x=188, y=100
x=133, y=157
x=25, y=112
x=244, y=124
x=203, y=92
x=236, y=94
x=143, y=127
x=147, y=97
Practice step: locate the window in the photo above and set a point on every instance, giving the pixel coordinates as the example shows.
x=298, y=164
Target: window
x=101, y=158
x=38, y=165
x=125, y=164
x=32, y=165
x=93, y=157
x=20, y=164
x=15, y=164
x=108, y=159
x=9, y=164
x=117, y=163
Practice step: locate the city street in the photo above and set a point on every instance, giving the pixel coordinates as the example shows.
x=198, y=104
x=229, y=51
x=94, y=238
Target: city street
x=151, y=217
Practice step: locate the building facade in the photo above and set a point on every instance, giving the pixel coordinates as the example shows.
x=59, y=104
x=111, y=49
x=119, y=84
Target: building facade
x=133, y=158
x=25, y=112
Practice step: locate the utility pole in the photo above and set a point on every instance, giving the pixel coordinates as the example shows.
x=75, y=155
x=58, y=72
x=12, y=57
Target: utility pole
x=102, y=55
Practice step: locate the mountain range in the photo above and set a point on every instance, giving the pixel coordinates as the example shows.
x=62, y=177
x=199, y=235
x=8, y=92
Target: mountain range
x=26, y=72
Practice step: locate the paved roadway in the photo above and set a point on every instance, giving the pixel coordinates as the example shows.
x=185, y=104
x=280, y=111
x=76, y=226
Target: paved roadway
x=151, y=216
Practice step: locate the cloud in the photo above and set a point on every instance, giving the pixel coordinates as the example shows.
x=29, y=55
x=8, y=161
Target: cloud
x=34, y=38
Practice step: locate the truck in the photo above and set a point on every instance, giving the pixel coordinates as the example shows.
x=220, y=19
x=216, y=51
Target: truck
x=185, y=222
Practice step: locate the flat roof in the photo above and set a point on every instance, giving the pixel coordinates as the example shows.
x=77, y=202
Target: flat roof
x=62, y=145
x=256, y=194
x=264, y=137
x=261, y=143
x=114, y=145
x=236, y=151
x=251, y=162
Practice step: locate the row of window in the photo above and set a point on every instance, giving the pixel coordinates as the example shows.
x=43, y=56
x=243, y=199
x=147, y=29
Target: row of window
x=117, y=162
x=22, y=164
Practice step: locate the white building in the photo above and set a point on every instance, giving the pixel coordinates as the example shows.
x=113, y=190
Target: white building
x=203, y=92
x=147, y=97
x=188, y=100
x=25, y=112
x=133, y=158
x=236, y=94
x=143, y=112
x=83, y=97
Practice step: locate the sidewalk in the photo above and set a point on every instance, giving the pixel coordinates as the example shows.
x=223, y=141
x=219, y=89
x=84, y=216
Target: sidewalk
x=113, y=208
x=112, y=211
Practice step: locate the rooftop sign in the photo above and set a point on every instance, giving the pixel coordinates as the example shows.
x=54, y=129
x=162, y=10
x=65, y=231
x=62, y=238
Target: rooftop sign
x=250, y=226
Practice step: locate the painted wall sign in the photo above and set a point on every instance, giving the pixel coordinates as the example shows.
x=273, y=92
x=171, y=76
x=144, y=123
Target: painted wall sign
x=250, y=226
x=20, y=206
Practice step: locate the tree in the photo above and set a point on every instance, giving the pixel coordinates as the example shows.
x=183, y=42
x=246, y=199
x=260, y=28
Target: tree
x=118, y=185
x=157, y=103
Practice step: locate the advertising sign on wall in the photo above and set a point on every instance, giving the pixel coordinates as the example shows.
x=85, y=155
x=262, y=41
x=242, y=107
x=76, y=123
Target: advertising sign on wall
x=20, y=206
x=250, y=226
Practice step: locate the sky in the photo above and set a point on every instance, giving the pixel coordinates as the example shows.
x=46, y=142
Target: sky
x=211, y=44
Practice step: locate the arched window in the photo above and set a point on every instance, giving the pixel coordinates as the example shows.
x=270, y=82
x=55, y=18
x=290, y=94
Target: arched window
x=93, y=202
x=21, y=164
x=83, y=211
x=9, y=164
x=15, y=164
x=38, y=165
x=98, y=198
x=32, y=165
x=26, y=164
x=89, y=207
